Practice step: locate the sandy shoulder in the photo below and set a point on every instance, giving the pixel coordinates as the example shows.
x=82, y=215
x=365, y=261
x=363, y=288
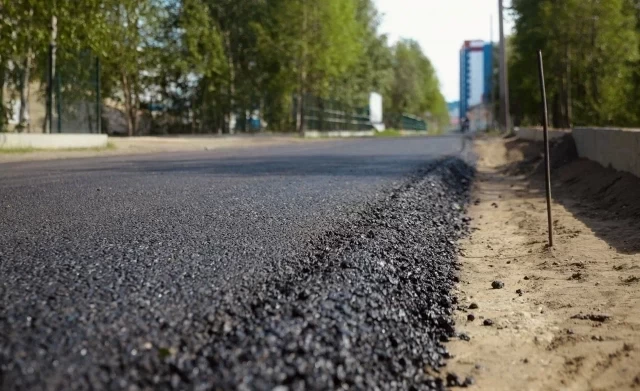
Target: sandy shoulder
x=535, y=343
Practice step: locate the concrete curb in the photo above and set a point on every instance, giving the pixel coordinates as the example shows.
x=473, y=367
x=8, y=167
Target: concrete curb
x=339, y=133
x=52, y=141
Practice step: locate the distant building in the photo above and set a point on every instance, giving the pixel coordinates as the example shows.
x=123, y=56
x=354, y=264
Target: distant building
x=476, y=69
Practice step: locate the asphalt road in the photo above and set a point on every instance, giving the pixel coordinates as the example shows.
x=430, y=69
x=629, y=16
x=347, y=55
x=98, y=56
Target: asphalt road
x=98, y=255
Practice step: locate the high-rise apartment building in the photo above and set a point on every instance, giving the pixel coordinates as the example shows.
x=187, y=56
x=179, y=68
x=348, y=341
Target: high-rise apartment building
x=476, y=69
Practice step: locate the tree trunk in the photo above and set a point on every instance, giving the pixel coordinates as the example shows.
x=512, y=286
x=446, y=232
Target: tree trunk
x=300, y=111
x=231, y=86
x=3, y=111
x=556, y=112
x=303, y=72
x=203, y=106
x=135, y=96
x=569, y=96
x=87, y=108
x=128, y=104
x=23, y=120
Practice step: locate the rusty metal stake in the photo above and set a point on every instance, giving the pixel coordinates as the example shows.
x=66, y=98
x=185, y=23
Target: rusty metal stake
x=547, y=164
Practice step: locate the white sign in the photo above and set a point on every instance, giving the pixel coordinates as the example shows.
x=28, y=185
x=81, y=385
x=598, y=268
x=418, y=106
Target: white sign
x=375, y=108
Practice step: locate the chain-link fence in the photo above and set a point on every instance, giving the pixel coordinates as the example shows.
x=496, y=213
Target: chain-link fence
x=406, y=122
x=329, y=114
x=62, y=96
x=76, y=102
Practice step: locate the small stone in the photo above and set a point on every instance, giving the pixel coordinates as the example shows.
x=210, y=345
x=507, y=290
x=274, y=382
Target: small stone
x=471, y=317
x=468, y=381
x=526, y=277
x=519, y=292
x=464, y=337
x=303, y=295
x=497, y=284
x=453, y=380
x=473, y=306
x=488, y=322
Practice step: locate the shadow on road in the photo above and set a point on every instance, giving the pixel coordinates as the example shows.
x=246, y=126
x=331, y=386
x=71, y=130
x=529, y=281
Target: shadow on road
x=372, y=157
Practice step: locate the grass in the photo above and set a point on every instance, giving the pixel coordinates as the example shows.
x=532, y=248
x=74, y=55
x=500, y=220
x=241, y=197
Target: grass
x=388, y=133
x=399, y=133
x=110, y=146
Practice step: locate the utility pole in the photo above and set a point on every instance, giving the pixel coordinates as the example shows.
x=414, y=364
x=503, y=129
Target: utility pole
x=492, y=124
x=504, y=80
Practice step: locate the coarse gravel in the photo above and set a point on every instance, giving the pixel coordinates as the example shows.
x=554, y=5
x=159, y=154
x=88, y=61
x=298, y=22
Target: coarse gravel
x=365, y=304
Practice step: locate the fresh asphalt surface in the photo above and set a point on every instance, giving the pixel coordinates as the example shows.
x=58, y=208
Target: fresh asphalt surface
x=97, y=254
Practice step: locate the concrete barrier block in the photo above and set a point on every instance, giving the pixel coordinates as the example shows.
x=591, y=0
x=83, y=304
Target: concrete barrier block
x=604, y=147
x=618, y=148
x=579, y=139
x=338, y=133
x=612, y=154
x=636, y=155
x=52, y=141
x=623, y=154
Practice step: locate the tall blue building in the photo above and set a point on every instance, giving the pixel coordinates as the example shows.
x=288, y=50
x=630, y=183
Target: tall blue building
x=476, y=69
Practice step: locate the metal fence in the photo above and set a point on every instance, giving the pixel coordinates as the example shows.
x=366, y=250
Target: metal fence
x=406, y=122
x=76, y=94
x=410, y=122
x=328, y=114
x=38, y=98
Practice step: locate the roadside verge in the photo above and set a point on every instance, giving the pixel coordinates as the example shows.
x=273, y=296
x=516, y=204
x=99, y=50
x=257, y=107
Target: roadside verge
x=567, y=317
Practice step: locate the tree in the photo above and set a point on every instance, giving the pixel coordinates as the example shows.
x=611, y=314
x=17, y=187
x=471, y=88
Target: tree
x=588, y=47
x=198, y=65
x=310, y=43
x=414, y=88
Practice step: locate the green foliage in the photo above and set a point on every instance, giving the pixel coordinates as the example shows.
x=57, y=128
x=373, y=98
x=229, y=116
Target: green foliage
x=414, y=87
x=388, y=133
x=590, y=51
x=193, y=65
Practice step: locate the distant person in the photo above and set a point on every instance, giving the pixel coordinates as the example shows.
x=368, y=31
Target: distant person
x=465, y=125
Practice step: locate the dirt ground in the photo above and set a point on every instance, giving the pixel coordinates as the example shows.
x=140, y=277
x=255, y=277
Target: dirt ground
x=568, y=318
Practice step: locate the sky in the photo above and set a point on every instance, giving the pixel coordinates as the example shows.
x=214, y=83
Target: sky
x=441, y=27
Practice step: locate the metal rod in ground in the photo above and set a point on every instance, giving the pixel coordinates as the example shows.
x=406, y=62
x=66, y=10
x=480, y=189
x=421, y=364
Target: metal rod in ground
x=545, y=125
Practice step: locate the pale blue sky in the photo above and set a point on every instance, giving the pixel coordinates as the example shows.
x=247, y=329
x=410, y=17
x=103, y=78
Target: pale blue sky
x=441, y=26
